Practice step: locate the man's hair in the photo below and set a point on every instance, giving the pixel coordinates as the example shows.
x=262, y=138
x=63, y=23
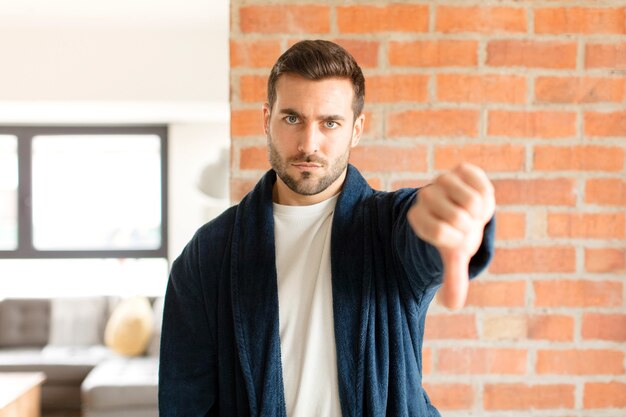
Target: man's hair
x=317, y=60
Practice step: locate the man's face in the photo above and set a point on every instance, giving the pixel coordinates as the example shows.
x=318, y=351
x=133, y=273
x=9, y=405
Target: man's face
x=310, y=131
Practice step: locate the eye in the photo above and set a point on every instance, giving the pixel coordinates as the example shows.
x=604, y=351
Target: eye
x=291, y=119
x=331, y=124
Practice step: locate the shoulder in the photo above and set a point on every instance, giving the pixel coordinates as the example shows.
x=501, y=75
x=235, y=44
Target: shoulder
x=394, y=201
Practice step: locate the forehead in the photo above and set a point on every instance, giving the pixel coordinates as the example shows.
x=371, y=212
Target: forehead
x=328, y=96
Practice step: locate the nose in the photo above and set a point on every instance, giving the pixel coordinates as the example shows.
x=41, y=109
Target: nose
x=308, y=142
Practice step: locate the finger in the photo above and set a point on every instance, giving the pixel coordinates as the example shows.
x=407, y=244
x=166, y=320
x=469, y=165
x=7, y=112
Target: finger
x=435, y=231
x=475, y=178
x=441, y=206
x=461, y=193
x=455, y=279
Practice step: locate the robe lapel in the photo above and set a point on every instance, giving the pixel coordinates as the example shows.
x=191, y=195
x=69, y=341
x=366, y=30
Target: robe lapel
x=254, y=294
x=351, y=280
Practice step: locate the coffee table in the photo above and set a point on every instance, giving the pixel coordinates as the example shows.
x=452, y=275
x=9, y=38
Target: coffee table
x=20, y=394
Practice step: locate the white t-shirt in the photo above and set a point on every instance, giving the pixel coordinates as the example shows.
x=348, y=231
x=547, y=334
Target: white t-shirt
x=305, y=304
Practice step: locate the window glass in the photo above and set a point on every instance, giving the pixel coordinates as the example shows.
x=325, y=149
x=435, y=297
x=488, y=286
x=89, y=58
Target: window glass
x=96, y=192
x=8, y=192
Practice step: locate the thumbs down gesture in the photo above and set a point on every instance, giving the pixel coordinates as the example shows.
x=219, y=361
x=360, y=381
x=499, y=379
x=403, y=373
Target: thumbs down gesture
x=451, y=215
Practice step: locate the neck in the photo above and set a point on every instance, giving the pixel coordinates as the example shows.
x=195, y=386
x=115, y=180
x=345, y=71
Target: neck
x=284, y=195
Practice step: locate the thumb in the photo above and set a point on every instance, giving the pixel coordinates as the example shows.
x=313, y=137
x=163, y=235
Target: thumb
x=455, y=278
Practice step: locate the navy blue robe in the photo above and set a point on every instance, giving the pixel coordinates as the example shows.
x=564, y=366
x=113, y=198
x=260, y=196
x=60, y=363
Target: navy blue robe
x=220, y=346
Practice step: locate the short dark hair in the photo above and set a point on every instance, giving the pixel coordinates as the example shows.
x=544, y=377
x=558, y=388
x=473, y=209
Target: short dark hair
x=317, y=60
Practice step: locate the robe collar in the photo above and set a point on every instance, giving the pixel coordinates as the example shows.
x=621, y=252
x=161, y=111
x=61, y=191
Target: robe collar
x=254, y=292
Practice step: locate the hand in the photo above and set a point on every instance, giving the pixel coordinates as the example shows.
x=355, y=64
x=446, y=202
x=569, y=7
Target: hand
x=451, y=215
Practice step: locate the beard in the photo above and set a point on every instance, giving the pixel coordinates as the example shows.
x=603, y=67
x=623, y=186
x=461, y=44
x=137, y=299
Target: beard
x=305, y=183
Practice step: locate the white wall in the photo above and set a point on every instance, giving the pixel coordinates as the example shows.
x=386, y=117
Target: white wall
x=120, y=62
x=196, y=158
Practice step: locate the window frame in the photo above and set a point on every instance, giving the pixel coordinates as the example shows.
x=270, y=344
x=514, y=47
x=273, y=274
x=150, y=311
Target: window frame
x=25, y=248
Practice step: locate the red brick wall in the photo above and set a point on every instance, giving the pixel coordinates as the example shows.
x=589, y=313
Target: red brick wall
x=535, y=93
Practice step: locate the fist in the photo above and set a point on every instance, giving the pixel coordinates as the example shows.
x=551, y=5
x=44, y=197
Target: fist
x=451, y=215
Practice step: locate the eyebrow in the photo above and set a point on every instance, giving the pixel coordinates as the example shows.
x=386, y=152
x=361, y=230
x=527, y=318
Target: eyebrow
x=293, y=112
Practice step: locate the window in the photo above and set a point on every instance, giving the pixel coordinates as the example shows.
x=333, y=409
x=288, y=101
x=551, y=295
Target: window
x=8, y=192
x=83, y=192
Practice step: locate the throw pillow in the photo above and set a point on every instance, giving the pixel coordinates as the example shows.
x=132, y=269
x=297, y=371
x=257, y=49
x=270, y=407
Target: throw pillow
x=77, y=321
x=129, y=328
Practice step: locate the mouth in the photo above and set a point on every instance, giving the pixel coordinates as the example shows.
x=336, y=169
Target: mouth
x=306, y=165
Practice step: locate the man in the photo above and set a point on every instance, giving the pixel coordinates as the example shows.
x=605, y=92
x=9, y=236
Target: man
x=309, y=297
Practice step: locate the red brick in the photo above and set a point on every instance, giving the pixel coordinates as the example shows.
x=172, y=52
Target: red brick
x=409, y=183
x=605, y=124
x=612, y=327
x=532, y=124
x=430, y=53
x=255, y=54
x=253, y=158
x=579, y=158
x=580, y=362
x=490, y=88
x=489, y=157
x=579, y=89
x=604, y=395
x=497, y=293
x=531, y=54
x=480, y=19
x=433, y=123
x=605, y=192
x=451, y=396
x=587, y=225
x=534, y=259
x=558, y=192
x=397, y=88
x=606, y=55
x=373, y=126
x=605, y=260
x=388, y=18
x=450, y=326
x=246, y=123
x=527, y=397
x=240, y=187
x=364, y=51
x=510, y=225
x=389, y=159
x=482, y=361
x=560, y=20
x=284, y=18
x=374, y=182
x=554, y=328
x=504, y=327
x=253, y=88
x=427, y=360
x=577, y=293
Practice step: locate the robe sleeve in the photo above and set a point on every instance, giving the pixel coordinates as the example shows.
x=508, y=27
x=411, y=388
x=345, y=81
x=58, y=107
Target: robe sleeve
x=188, y=361
x=421, y=260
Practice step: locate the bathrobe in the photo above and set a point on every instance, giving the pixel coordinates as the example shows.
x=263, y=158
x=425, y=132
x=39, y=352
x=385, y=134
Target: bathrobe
x=220, y=343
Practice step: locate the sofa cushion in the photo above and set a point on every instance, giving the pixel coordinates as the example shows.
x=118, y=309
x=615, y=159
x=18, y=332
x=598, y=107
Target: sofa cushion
x=122, y=383
x=24, y=322
x=129, y=329
x=78, y=321
x=60, y=365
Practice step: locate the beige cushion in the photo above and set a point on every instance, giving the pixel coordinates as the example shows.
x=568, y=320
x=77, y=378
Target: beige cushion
x=130, y=327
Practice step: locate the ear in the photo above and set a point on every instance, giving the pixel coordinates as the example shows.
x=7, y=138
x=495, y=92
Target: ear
x=357, y=130
x=266, y=118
